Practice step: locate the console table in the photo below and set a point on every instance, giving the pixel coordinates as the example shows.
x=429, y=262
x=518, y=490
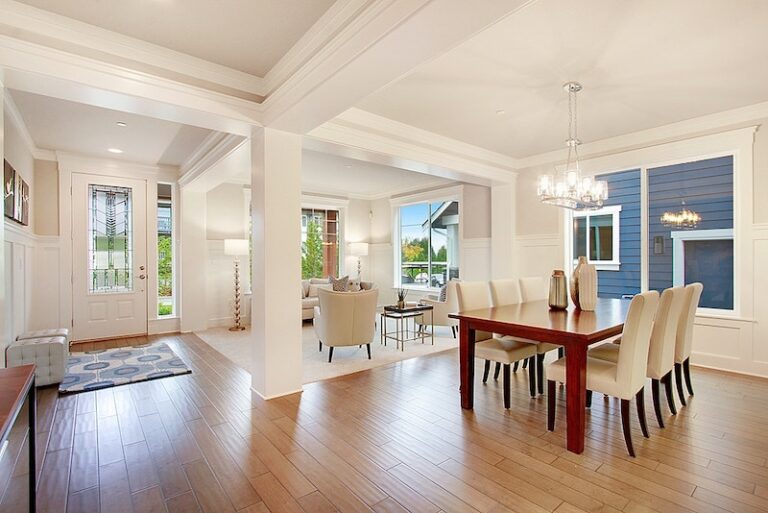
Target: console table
x=17, y=386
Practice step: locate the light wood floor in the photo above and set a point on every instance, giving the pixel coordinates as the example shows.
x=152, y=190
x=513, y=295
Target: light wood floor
x=391, y=439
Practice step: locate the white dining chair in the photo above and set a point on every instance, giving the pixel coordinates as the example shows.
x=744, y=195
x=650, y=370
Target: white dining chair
x=684, y=341
x=661, y=353
x=476, y=295
x=624, y=378
x=507, y=292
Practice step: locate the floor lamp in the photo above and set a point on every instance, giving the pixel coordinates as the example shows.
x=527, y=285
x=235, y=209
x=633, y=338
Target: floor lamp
x=236, y=248
x=358, y=249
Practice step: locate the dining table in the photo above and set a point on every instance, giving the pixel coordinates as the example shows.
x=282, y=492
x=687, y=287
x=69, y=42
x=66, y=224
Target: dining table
x=571, y=328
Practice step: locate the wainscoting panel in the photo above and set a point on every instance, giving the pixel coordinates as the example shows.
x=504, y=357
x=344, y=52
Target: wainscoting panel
x=538, y=255
x=476, y=259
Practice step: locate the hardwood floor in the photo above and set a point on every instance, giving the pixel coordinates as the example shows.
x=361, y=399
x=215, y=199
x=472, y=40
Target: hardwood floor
x=391, y=439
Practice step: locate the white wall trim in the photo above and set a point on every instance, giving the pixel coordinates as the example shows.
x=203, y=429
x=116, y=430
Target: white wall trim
x=211, y=151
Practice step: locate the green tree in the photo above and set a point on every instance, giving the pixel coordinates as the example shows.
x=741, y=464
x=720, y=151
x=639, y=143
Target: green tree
x=164, y=266
x=312, y=252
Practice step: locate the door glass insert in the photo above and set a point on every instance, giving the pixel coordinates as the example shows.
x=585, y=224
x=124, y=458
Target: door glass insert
x=110, y=245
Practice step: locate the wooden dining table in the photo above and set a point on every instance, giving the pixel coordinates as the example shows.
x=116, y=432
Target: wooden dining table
x=573, y=329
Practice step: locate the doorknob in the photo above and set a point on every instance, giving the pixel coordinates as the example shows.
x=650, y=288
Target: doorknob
x=142, y=276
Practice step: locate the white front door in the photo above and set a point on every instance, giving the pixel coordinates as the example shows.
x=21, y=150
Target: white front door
x=109, y=257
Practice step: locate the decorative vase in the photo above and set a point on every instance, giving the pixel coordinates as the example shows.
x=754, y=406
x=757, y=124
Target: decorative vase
x=588, y=287
x=575, y=281
x=401, y=304
x=558, y=291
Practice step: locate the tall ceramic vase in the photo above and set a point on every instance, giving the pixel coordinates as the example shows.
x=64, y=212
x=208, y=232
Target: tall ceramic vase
x=574, y=285
x=588, y=287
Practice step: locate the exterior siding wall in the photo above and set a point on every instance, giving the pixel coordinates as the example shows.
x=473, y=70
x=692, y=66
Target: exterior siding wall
x=707, y=188
x=624, y=190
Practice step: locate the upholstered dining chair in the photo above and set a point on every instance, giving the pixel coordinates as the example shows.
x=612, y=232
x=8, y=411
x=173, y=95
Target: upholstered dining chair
x=476, y=295
x=624, y=378
x=684, y=342
x=536, y=288
x=345, y=319
x=661, y=353
x=507, y=292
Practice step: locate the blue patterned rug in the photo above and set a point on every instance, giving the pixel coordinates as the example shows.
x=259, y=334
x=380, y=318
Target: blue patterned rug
x=112, y=367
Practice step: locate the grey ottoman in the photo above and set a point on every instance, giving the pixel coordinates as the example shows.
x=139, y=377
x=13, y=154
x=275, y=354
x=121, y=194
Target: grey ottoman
x=49, y=354
x=57, y=332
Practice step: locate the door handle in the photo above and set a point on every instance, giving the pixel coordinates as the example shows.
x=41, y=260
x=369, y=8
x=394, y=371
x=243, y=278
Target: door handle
x=142, y=276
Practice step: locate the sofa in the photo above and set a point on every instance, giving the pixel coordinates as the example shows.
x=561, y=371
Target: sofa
x=309, y=293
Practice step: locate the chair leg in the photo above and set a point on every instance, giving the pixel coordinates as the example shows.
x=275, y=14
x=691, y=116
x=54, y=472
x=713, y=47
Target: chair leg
x=525, y=363
x=589, y=398
x=496, y=371
x=540, y=372
x=679, y=382
x=532, y=375
x=551, y=404
x=656, y=402
x=670, y=396
x=486, y=370
x=330, y=354
x=506, y=386
x=453, y=330
x=687, y=370
x=369, y=350
x=640, y=400
x=625, y=426
x=560, y=352
x=515, y=366
x=321, y=345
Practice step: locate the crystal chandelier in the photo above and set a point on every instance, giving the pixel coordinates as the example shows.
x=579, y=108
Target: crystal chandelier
x=683, y=218
x=568, y=188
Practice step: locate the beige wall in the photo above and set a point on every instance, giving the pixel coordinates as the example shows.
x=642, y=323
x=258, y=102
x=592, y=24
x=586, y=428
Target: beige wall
x=477, y=217
x=226, y=212
x=45, y=197
x=760, y=176
x=18, y=155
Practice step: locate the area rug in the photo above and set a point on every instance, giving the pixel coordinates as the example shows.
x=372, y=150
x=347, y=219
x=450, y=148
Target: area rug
x=105, y=368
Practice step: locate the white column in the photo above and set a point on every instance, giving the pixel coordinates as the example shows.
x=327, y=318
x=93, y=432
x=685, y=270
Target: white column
x=503, y=205
x=276, y=305
x=5, y=337
x=193, y=259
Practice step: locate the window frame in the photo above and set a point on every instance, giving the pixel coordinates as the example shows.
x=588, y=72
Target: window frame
x=601, y=265
x=175, y=281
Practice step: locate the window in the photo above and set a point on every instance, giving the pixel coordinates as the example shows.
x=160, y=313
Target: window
x=165, y=300
x=110, y=248
x=429, y=243
x=596, y=236
x=705, y=256
x=319, y=243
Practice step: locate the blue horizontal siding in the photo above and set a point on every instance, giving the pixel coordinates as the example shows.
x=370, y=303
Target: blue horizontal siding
x=624, y=190
x=707, y=188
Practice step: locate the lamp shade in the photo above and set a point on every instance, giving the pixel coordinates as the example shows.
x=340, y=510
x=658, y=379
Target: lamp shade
x=236, y=247
x=358, y=249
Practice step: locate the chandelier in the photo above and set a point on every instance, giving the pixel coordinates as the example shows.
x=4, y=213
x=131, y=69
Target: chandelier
x=683, y=218
x=568, y=189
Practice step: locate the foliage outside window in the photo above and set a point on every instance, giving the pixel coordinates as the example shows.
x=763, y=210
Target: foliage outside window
x=319, y=243
x=165, y=300
x=596, y=236
x=429, y=244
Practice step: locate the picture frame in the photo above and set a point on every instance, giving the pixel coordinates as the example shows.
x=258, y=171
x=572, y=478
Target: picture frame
x=16, y=195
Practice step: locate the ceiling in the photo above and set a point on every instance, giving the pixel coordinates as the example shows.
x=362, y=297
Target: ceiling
x=332, y=174
x=73, y=127
x=247, y=35
x=642, y=65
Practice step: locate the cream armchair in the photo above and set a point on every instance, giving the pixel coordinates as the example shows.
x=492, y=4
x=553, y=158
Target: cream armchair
x=441, y=309
x=345, y=319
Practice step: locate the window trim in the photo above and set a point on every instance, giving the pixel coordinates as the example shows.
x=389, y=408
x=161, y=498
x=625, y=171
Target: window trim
x=601, y=265
x=175, y=247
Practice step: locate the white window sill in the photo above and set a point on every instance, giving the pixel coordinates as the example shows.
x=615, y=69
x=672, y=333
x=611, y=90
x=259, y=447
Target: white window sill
x=607, y=267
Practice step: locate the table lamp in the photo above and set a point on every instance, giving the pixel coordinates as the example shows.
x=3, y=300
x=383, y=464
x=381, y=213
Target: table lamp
x=236, y=248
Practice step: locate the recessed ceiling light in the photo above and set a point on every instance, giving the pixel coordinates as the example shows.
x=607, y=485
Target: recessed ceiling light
x=122, y=123
x=114, y=150
x=500, y=112
x=348, y=166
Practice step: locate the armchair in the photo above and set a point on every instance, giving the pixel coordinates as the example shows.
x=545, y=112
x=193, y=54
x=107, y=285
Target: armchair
x=443, y=308
x=345, y=319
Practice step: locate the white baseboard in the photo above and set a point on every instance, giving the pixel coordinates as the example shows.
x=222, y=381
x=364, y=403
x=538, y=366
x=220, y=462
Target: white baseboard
x=275, y=396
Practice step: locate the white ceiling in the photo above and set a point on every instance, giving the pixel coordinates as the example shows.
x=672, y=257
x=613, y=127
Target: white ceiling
x=642, y=64
x=73, y=127
x=247, y=35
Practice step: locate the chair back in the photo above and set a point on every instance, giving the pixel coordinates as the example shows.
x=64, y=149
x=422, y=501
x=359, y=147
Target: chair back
x=661, y=354
x=348, y=318
x=451, y=295
x=473, y=295
x=505, y=292
x=635, y=340
x=684, y=343
x=534, y=288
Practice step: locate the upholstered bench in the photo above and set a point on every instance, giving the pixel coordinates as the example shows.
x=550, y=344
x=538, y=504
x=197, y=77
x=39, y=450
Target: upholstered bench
x=49, y=354
x=58, y=332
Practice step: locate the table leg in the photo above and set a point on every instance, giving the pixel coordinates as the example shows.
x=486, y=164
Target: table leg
x=32, y=405
x=467, y=364
x=576, y=395
x=432, y=323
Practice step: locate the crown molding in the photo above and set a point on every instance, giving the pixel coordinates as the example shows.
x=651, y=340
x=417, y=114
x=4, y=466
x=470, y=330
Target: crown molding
x=13, y=114
x=388, y=193
x=213, y=149
x=690, y=128
x=27, y=19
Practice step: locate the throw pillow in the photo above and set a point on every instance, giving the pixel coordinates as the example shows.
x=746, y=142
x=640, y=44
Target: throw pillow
x=339, y=285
